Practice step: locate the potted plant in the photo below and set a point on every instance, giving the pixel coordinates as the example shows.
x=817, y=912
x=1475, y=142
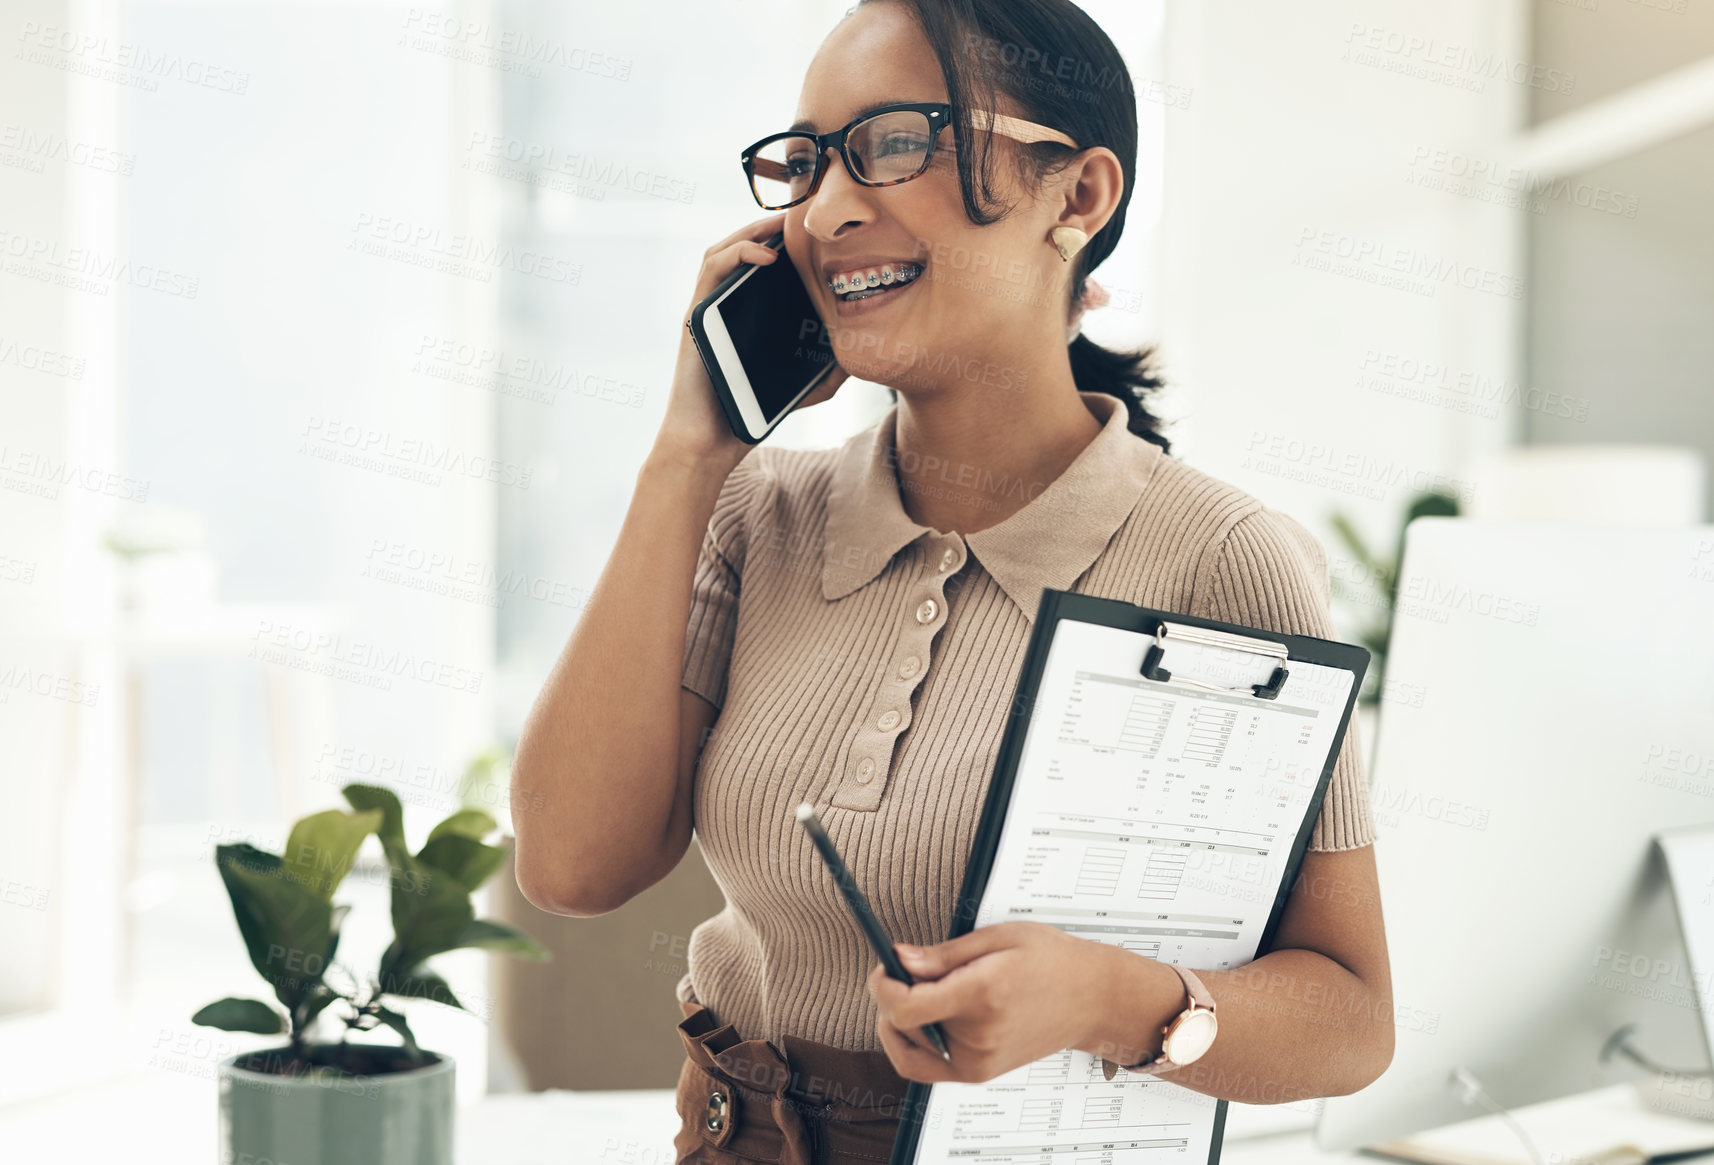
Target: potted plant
x=330, y=1103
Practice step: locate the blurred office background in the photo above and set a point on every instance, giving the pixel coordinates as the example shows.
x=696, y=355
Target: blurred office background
x=269, y=402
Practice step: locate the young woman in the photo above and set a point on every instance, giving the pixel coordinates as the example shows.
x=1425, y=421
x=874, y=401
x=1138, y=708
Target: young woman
x=844, y=626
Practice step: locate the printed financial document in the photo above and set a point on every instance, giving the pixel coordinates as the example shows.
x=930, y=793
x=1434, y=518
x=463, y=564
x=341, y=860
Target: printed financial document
x=1158, y=817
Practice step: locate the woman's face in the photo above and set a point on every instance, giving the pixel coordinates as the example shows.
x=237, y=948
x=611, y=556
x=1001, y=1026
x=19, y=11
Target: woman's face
x=988, y=297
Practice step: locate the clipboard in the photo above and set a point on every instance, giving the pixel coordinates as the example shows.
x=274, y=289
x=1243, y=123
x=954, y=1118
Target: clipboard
x=1152, y=763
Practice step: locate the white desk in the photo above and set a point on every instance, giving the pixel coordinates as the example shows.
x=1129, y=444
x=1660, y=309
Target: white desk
x=636, y=1128
x=151, y=1116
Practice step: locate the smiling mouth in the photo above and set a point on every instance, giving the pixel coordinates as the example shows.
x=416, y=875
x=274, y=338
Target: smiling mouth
x=878, y=283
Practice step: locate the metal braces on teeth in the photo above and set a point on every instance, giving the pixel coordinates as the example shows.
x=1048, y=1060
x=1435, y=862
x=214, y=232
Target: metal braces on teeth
x=879, y=279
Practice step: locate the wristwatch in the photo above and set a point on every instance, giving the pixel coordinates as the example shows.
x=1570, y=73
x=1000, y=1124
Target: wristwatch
x=1186, y=1038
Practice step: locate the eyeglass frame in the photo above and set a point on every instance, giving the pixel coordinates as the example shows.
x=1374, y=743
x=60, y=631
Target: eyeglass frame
x=1012, y=127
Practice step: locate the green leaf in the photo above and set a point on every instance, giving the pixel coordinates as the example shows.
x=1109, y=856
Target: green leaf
x=391, y=831
x=322, y=847
x=241, y=1015
x=1431, y=505
x=397, y=1022
x=287, y=930
x=424, y=985
x=496, y=936
x=475, y=824
x=463, y=859
x=430, y=909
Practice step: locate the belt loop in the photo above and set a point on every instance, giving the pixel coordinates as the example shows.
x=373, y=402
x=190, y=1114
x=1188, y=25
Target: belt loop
x=742, y=1066
x=721, y=1110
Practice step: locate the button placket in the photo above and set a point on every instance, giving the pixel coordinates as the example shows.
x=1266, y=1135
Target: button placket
x=922, y=616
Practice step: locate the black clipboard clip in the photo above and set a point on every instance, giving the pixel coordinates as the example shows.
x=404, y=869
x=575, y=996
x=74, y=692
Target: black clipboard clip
x=1207, y=637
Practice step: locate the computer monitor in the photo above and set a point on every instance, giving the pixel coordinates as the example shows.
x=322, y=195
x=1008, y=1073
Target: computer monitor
x=1548, y=709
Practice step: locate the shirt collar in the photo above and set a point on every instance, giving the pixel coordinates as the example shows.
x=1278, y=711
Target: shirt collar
x=1048, y=543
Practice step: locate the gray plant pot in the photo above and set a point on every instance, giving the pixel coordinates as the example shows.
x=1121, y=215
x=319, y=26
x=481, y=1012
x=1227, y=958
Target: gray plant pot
x=390, y=1118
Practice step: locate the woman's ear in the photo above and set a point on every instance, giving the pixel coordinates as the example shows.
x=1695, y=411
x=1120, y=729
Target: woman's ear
x=1091, y=189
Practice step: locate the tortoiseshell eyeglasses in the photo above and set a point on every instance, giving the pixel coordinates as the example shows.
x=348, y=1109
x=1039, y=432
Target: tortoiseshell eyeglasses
x=883, y=147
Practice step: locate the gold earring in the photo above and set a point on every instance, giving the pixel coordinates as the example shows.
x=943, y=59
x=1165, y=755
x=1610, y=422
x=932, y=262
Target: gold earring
x=1068, y=241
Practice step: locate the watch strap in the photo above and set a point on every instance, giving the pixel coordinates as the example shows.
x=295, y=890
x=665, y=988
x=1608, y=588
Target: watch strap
x=1199, y=997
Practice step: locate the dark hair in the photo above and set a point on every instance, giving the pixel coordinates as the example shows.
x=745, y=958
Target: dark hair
x=1063, y=71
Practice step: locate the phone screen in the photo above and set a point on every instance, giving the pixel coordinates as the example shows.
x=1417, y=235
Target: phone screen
x=777, y=333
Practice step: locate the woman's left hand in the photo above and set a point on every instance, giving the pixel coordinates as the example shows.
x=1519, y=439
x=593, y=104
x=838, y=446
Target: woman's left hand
x=1005, y=995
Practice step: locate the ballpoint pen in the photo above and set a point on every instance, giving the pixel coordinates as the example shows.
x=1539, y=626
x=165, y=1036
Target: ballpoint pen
x=865, y=916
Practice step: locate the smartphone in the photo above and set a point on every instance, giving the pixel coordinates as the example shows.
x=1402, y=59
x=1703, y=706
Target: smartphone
x=763, y=343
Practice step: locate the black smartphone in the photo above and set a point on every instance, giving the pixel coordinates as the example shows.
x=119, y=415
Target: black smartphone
x=763, y=343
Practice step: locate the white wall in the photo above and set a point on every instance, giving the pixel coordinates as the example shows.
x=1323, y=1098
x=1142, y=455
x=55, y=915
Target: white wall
x=38, y=395
x=1301, y=143
x=1622, y=254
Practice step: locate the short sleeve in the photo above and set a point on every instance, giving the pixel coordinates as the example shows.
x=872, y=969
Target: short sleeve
x=713, y=624
x=1271, y=573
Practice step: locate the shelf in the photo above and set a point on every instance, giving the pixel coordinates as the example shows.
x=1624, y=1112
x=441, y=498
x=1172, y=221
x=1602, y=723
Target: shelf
x=1613, y=127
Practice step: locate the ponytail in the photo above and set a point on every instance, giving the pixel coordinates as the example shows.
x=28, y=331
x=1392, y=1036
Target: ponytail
x=1127, y=375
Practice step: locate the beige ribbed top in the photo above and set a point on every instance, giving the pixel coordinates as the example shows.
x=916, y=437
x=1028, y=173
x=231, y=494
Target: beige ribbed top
x=865, y=664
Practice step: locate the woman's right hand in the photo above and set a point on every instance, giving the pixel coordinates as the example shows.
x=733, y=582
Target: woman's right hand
x=695, y=425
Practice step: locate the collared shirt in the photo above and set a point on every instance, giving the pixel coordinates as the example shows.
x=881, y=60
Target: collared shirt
x=865, y=664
